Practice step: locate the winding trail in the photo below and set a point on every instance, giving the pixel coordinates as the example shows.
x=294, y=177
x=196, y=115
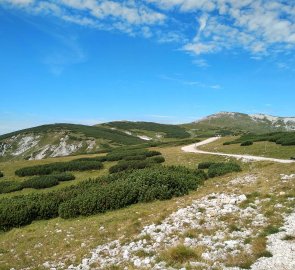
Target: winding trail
x=193, y=148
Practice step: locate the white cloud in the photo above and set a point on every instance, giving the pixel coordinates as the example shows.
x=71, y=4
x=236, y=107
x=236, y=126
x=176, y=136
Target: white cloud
x=185, y=5
x=258, y=26
x=201, y=63
x=20, y=2
x=200, y=48
x=131, y=17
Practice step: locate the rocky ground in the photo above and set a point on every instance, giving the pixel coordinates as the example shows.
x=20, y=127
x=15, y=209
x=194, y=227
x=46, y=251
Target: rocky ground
x=214, y=232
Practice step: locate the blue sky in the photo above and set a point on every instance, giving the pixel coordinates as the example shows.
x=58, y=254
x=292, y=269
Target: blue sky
x=90, y=61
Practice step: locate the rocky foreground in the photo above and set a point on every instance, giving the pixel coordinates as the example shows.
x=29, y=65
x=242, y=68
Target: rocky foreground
x=217, y=229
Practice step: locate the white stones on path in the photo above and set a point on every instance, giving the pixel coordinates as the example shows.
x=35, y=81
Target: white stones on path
x=207, y=213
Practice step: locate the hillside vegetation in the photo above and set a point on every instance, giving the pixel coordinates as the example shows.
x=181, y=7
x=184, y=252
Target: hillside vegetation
x=258, y=148
x=282, y=138
x=193, y=216
x=97, y=132
x=228, y=123
x=96, y=196
x=170, y=131
x=61, y=140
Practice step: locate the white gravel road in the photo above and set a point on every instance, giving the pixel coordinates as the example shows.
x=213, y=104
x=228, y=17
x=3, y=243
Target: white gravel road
x=193, y=148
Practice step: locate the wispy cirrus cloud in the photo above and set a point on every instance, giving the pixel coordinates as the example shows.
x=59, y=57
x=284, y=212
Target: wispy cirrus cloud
x=259, y=27
x=127, y=16
x=193, y=83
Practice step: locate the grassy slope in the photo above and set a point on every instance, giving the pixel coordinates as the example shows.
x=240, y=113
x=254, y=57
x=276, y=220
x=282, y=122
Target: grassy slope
x=10, y=167
x=88, y=131
x=265, y=149
x=34, y=244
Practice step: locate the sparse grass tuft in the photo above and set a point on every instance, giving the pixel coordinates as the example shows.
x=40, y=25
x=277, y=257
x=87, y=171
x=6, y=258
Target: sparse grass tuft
x=180, y=254
x=265, y=253
x=289, y=238
x=270, y=230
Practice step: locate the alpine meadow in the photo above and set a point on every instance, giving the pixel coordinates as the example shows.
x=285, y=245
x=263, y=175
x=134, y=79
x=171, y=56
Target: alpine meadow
x=147, y=135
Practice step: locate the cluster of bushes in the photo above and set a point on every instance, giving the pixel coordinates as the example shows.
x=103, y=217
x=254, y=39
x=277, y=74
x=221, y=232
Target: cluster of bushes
x=129, y=165
x=246, y=143
x=1, y=174
x=59, y=167
x=282, y=138
x=99, y=195
x=124, y=165
x=205, y=165
x=219, y=169
x=121, y=154
x=9, y=186
x=157, y=159
x=39, y=182
x=134, y=159
x=99, y=159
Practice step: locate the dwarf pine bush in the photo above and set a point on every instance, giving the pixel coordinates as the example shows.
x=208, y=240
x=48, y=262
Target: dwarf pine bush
x=100, y=195
x=59, y=167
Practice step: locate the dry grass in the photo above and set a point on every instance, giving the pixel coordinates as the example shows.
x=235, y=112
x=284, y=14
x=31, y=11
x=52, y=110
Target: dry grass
x=181, y=254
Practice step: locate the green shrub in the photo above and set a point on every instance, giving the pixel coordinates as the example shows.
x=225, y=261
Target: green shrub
x=130, y=165
x=1, y=174
x=99, y=195
x=22, y=210
x=61, y=177
x=247, y=143
x=270, y=229
x=59, y=167
x=159, y=183
x=40, y=182
x=157, y=159
x=100, y=159
x=205, y=165
x=135, y=157
x=120, y=154
x=219, y=169
x=153, y=153
x=9, y=186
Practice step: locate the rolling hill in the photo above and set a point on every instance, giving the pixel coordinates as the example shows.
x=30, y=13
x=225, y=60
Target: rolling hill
x=70, y=139
x=61, y=140
x=227, y=122
x=149, y=130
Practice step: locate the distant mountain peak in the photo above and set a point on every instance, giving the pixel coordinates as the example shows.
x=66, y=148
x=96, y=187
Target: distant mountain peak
x=248, y=122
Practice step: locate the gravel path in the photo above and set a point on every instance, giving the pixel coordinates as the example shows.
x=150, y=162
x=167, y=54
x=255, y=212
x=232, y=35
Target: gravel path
x=193, y=148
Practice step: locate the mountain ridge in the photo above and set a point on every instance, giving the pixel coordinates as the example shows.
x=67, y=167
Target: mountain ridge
x=64, y=139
